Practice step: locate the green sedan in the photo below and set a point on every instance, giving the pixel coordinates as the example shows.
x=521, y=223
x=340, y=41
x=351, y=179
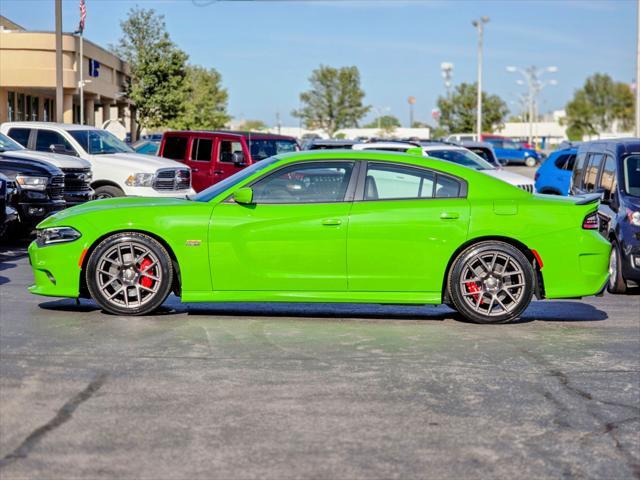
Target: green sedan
x=329, y=226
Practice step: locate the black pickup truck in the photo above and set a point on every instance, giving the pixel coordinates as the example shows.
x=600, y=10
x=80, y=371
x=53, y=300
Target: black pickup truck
x=8, y=214
x=39, y=188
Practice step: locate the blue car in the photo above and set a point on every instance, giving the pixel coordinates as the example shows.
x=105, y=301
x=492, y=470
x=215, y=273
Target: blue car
x=554, y=175
x=510, y=153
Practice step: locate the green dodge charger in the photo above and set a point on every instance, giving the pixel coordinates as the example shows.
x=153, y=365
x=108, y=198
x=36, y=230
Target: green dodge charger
x=330, y=226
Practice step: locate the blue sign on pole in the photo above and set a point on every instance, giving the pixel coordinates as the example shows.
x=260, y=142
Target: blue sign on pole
x=94, y=68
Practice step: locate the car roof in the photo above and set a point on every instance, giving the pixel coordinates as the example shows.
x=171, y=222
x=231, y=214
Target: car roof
x=441, y=147
x=384, y=145
x=237, y=133
x=62, y=126
x=472, y=144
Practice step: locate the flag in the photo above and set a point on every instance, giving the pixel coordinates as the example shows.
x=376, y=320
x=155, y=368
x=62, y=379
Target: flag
x=83, y=15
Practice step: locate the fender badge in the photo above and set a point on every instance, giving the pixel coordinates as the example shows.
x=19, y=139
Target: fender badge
x=193, y=243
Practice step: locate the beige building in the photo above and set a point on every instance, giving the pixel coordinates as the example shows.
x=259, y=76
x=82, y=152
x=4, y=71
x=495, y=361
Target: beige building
x=28, y=79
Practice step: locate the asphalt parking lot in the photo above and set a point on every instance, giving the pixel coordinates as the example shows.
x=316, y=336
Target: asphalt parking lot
x=324, y=391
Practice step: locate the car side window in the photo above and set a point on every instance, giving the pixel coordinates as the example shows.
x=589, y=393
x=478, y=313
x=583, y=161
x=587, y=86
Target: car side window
x=317, y=182
x=608, y=177
x=591, y=172
x=561, y=161
x=388, y=182
x=576, y=178
x=570, y=162
x=201, y=149
x=45, y=139
x=175, y=148
x=20, y=135
x=226, y=150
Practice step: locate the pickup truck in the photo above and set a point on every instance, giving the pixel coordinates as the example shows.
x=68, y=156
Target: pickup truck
x=216, y=155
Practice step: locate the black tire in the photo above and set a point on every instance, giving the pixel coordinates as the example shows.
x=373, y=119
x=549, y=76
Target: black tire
x=119, y=280
x=108, y=191
x=507, y=296
x=530, y=162
x=616, y=283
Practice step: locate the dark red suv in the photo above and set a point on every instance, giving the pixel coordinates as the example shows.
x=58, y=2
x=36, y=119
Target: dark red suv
x=216, y=155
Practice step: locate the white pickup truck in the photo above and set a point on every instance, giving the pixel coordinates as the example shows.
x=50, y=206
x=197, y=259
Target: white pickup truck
x=117, y=169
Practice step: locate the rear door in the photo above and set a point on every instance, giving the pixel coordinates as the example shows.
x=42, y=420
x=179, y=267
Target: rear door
x=223, y=160
x=200, y=159
x=404, y=226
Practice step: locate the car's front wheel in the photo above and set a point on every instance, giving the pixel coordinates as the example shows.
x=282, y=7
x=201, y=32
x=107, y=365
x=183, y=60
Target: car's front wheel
x=107, y=191
x=129, y=274
x=491, y=282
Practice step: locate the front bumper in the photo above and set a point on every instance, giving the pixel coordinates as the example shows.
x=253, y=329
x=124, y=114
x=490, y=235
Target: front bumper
x=56, y=268
x=32, y=213
x=78, y=197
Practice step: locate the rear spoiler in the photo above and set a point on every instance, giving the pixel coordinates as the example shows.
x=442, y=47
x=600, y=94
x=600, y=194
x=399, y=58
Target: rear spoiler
x=588, y=198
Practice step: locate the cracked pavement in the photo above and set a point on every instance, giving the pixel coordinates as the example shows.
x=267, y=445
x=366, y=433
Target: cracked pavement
x=324, y=391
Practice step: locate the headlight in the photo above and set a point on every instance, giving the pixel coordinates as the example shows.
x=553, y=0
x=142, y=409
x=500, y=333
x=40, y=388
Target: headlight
x=48, y=236
x=32, y=183
x=634, y=217
x=140, y=179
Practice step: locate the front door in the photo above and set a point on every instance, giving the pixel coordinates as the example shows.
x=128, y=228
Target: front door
x=200, y=160
x=224, y=165
x=403, y=228
x=294, y=235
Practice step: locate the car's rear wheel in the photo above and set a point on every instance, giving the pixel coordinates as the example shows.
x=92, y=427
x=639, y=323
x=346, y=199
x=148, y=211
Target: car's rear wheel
x=108, y=191
x=129, y=274
x=530, y=162
x=491, y=282
x=616, y=280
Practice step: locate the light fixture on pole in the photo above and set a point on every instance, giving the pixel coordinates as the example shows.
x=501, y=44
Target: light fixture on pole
x=447, y=75
x=379, y=112
x=479, y=25
x=412, y=101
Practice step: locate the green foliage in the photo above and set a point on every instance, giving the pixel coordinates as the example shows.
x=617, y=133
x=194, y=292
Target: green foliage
x=458, y=113
x=384, y=122
x=158, y=68
x=206, y=105
x=253, y=125
x=334, y=101
x=597, y=105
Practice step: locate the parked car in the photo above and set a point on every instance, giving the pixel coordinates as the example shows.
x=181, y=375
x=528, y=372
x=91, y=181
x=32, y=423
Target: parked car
x=117, y=169
x=509, y=152
x=484, y=150
x=461, y=137
x=39, y=188
x=612, y=168
x=419, y=232
x=216, y=155
x=77, y=172
x=554, y=175
x=8, y=214
x=146, y=147
x=330, y=144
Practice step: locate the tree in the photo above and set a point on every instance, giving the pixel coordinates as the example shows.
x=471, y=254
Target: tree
x=334, y=101
x=384, y=122
x=599, y=104
x=458, y=113
x=253, y=125
x=206, y=102
x=158, y=69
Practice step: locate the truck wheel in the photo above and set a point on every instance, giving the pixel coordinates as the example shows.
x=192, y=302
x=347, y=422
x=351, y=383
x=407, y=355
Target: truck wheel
x=491, y=282
x=616, y=282
x=107, y=191
x=129, y=274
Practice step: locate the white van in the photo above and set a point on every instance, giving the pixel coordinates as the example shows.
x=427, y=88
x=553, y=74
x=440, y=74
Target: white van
x=117, y=169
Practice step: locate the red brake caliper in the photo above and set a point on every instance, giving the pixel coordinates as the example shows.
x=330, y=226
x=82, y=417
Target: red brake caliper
x=472, y=287
x=146, y=281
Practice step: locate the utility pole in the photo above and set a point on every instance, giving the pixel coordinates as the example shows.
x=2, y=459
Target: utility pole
x=447, y=74
x=59, y=91
x=479, y=24
x=412, y=101
x=638, y=72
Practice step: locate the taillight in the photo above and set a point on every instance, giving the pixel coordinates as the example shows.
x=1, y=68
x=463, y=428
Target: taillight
x=537, y=176
x=591, y=221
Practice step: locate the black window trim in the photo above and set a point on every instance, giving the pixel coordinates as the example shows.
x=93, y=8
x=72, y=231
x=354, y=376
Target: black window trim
x=348, y=195
x=191, y=145
x=359, y=193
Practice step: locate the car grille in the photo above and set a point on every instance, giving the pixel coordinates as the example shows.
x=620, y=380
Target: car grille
x=527, y=187
x=171, y=179
x=56, y=187
x=77, y=179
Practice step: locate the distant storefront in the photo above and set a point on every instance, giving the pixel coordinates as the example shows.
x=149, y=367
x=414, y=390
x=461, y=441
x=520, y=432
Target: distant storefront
x=28, y=79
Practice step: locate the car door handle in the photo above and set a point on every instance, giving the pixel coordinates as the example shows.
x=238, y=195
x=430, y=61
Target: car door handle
x=194, y=170
x=331, y=222
x=218, y=172
x=449, y=215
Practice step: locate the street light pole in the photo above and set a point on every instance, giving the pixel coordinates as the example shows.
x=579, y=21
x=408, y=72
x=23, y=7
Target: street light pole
x=479, y=24
x=638, y=72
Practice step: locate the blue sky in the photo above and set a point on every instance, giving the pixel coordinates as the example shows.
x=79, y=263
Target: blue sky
x=266, y=50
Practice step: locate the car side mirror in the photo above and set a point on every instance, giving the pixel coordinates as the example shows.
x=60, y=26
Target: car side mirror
x=243, y=196
x=60, y=148
x=238, y=159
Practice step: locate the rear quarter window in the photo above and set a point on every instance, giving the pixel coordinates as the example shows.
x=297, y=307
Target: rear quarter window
x=576, y=178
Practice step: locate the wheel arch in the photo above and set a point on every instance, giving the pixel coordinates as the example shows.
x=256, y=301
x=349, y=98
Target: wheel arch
x=105, y=183
x=550, y=191
x=539, y=286
x=176, y=281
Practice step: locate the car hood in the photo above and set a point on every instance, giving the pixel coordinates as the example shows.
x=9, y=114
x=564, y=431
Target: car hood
x=139, y=162
x=57, y=159
x=509, y=177
x=113, y=203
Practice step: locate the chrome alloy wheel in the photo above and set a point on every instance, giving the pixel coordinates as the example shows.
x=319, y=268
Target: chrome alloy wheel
x=492, y=283
x=128, y=274
x=613, y=268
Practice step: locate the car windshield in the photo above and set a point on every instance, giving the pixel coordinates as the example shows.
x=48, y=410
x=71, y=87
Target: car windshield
x=99, y=142
x=461, y=157
x=265, y=148
x=8, y=145
x=632, y=175
x=215, y=190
